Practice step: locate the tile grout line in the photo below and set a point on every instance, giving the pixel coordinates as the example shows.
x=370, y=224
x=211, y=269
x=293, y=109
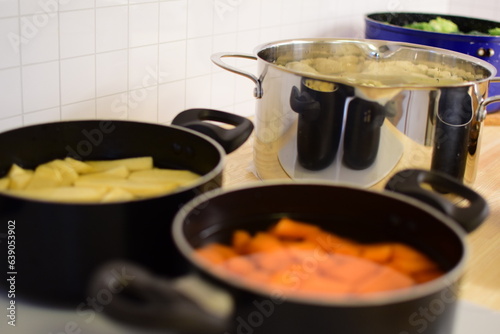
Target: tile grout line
x=95, y=59
x=21, y=69
x=127, y=115
x=158, y=66
x=59, y=61
x=185, y=56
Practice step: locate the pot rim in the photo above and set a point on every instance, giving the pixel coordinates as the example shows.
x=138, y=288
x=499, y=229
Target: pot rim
x=381, y=298
x=376, y=43
x=201, y=180
x=462, y=35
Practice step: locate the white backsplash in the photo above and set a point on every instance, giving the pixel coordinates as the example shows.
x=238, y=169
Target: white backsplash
x=148, y=60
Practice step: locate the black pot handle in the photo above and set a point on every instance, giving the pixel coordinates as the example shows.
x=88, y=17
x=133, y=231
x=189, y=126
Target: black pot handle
x=229, y=138
x=409, y=182
x=138, y=298
x=303, y=102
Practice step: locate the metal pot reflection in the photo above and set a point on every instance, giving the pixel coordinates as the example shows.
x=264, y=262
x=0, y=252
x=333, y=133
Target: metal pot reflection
x=320, y=108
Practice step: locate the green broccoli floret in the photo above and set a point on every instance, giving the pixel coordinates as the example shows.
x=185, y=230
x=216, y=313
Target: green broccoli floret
x=436, y=25
x=494, y=31
x=446, y=26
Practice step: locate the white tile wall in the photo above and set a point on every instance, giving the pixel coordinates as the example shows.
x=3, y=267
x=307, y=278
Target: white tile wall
x=77, y=33
x=143, y=24
x=77, y=78
x=111, y=28
x=111, y=72
x=41, y=85
x=10, y=87
x=149, y=59
x=40, y=43
x=173, y=21
x=9, y=8
x=489, y=10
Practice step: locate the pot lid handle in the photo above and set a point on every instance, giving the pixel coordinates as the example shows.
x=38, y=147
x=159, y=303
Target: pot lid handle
x=217, y=60
x=409, y=182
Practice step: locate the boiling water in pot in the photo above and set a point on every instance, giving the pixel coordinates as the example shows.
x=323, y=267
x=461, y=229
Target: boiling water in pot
x=381, y=72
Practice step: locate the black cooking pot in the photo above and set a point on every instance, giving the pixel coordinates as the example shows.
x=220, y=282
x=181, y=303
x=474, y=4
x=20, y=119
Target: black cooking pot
x=56, y=246
x=363, y=215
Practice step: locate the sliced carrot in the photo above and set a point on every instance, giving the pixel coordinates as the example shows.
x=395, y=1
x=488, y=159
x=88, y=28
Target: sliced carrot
x=240, y=265
x=346, y=268
x=401, y=250
x=332, y=243
x=381, y=252
x=293, y=229
x=306, y=257
x=272, y=261
x=328, y=241
x=264, y=242
x=406, y=259
x=385, y=279
x=240, y=241
x=256, y=277
x=285, y=279
x=299, y=257
x=301, y=245
x=349, y=248
x=413, y=266
x=215, y=253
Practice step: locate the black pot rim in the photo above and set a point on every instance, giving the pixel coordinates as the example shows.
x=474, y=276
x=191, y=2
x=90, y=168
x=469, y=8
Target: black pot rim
x=200, y=181
x=382, y=298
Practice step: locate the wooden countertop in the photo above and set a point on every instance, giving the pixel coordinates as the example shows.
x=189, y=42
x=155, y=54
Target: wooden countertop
x=481, y=283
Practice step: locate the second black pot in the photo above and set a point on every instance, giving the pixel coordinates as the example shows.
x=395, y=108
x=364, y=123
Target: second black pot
x=58, y=245
x=363, y=215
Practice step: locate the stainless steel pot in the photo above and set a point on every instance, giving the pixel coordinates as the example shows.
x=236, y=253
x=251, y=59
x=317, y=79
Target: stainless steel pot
x=422, y=107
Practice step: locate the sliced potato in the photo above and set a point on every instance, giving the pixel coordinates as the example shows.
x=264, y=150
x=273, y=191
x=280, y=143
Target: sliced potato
x=45, y=177
x=119, y=172
x=67, y=172
x=17, y=170
x=117, y=195
x=64, y=194
x=79, y=166
x=181, y=177
x=19, y=181
x=71, y=180
x=4, y=183
x=132, y=164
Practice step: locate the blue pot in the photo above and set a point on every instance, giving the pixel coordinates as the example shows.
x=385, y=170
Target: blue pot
x=389, y=26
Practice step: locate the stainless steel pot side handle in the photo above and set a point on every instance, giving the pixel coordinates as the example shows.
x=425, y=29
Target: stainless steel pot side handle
x=482, y=113
x=217, y=60
x=409, y=182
